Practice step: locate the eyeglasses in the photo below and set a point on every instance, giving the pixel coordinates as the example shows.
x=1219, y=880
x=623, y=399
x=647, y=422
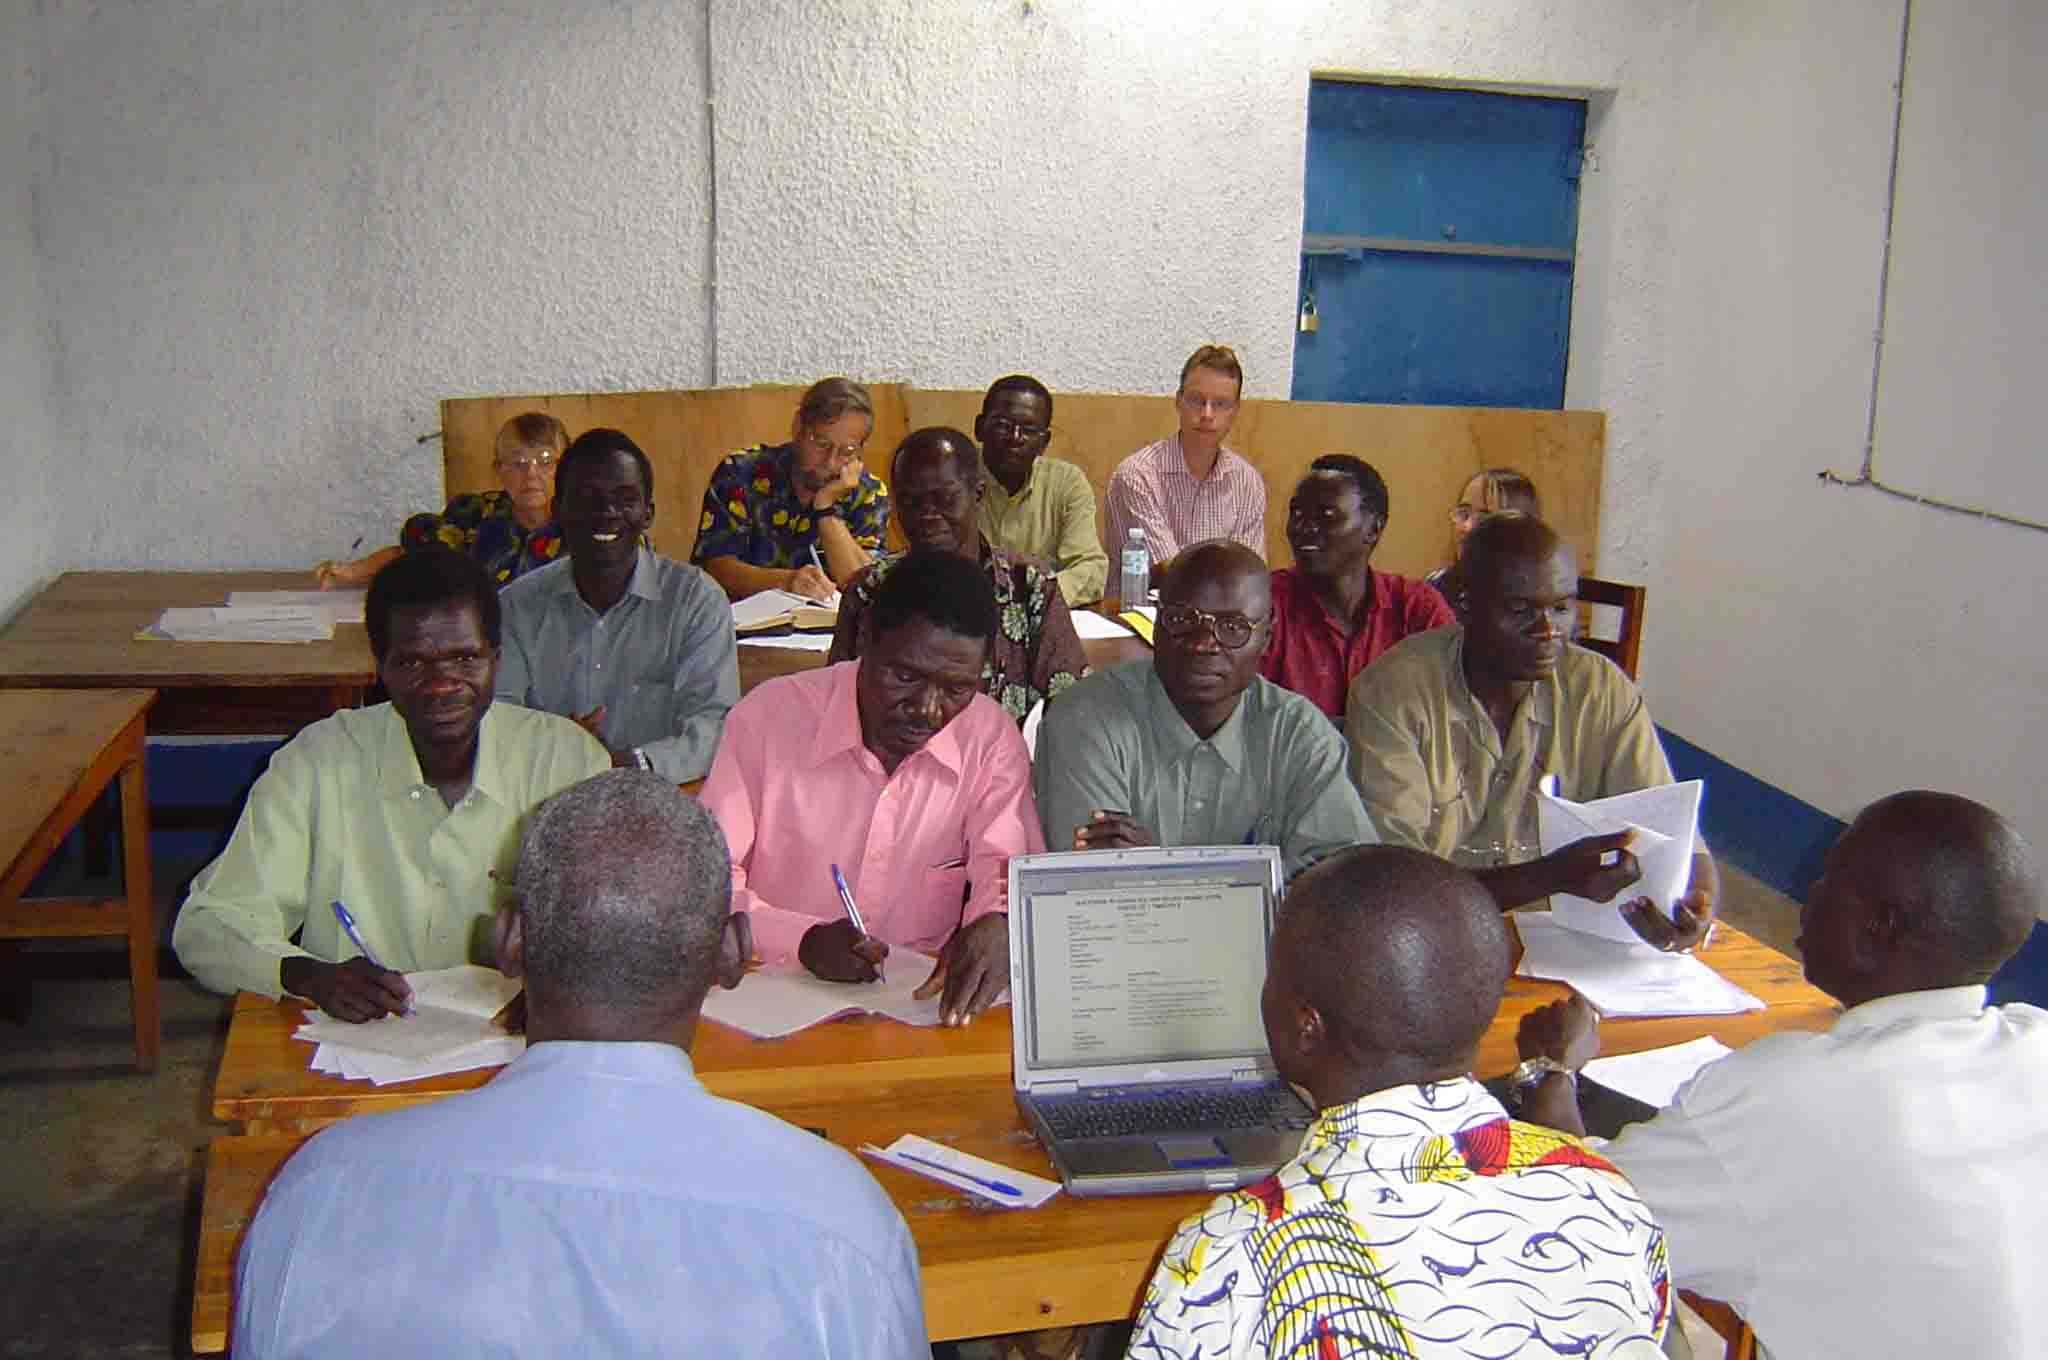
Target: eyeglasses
x=528, y=462
x=1185, y=621
x=1462, y=513
x=826, y=446
x=1222, y=406
x=1002, y=427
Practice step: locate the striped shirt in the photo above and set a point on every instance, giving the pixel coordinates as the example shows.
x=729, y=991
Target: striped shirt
x=1154, y=491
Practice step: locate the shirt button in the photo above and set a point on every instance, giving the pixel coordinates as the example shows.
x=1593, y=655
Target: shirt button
x=416, y=795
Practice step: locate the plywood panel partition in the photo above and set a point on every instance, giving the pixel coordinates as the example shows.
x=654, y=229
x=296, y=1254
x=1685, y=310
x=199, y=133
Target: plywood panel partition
x=1426, y=453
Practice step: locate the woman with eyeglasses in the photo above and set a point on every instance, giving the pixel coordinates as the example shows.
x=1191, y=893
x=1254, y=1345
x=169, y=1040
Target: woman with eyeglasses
x=1488, y=493
x=804, y=516
x=509, y=531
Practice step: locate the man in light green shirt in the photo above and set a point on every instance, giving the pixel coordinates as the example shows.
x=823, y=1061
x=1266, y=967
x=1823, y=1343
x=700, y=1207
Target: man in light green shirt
x=1195, y=748
x=1034, y=505
x=408, y=813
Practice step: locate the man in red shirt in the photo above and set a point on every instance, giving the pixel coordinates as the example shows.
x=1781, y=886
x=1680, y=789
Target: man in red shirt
x=1332, y=613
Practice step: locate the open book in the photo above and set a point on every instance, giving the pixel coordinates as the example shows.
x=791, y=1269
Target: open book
x=771, y=609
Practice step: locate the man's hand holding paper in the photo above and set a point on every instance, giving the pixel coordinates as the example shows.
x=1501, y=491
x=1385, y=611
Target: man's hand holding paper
x=1657, y=829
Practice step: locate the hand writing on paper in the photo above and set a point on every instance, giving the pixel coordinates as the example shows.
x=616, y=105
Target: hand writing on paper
x=354, y=991
x=811, y=583
x=1691, y=924
x=973, y=969
x=1106, y=829
x=1568, y=1031
x=836, y=952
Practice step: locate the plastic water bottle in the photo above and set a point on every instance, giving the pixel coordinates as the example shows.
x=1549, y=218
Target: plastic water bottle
x=1135, y=586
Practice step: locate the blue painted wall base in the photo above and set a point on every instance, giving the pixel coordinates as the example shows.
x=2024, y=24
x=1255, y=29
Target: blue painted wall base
x=1759, y=828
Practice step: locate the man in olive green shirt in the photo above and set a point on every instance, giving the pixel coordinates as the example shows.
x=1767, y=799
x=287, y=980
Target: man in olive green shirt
x=1451, y=731
x=408, y=813
x=1195, y=747
x=1037, y=506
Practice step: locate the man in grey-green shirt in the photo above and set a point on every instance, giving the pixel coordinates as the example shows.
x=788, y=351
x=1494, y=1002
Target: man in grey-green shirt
x=1196, y=748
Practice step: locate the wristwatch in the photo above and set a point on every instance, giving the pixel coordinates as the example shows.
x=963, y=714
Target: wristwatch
x=640, y=759
x=1532, y=1071
x=834, y=510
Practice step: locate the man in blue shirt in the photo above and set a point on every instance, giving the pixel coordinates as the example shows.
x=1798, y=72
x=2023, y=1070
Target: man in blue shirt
x=593, y=1199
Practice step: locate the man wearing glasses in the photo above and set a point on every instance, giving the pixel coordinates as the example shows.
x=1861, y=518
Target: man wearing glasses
x=1036, y=506
x=1187, y=487
x=1196, y=748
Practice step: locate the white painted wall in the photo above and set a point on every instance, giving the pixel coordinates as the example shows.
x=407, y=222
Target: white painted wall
x=1836, y=643
x=27, y=540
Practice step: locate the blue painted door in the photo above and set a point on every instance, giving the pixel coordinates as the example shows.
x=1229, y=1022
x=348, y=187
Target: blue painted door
x=1438, y=230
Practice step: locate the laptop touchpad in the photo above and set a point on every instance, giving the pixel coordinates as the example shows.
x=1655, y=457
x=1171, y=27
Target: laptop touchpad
x=1190, y=1154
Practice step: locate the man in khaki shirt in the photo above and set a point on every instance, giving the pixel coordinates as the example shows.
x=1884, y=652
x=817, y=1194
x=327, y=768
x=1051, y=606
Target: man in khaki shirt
x=1037, y=506
x=1451, y=731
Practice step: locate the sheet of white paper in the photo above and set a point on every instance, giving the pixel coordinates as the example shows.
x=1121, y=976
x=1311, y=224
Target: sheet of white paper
x=452, y=1010
x=1665, y=820
x=468, y=989
x=764, y=605
x=779, y=1001
x=1654, y=1075
x=964, y=1171
x=343, y=606
x=800, y=642
x=1090, y=624
x=219, y=623
x=1625, y=979
x=382, y=1069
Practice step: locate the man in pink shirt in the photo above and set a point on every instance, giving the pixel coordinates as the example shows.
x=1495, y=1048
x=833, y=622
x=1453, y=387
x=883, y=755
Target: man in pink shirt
x=897, y=769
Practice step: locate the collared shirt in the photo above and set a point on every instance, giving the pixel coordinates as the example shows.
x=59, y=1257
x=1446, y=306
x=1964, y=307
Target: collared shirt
x=1316, y=655
x=1053, y=518
x=343, y=813
x=661, y=660
x=796, y=791
x=1154, y=491
x=1273, y=774
x=1436, y=773
x=1877, y=1189
x=482, y=525
x=1036, y=653
x=593, y=1199
x=752, y=511
x=1416, y=1221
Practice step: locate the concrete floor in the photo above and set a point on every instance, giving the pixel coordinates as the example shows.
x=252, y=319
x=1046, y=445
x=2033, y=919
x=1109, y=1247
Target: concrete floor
x=99, y=1198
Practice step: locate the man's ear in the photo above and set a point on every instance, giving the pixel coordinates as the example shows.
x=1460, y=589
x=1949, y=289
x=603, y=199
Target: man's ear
x=650, y=513
x=1311, y=1035
x=508, y=940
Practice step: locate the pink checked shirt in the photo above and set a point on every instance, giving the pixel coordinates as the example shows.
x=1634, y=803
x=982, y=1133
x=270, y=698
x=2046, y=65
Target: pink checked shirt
x=1154, y=491
x=796, y=791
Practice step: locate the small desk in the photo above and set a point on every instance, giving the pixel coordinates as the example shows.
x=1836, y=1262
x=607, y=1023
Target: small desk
x=991, y=1270
x=61, y=749
x=79, y=633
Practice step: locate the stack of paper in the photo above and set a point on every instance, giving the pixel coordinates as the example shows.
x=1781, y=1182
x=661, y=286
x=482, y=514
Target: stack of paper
x=243, y=623
x=1663, y=823
x=344, y=606
x=783, y=609
x=781, y=1000
x=448, y=1030
x=1654, y=1075
x=1091, y=625
x=796, y=642
x=1625, y=978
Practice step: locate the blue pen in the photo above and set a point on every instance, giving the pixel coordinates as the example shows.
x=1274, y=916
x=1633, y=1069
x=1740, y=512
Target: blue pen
x=852, y=911
x=1000, y=1187
x=348, y=924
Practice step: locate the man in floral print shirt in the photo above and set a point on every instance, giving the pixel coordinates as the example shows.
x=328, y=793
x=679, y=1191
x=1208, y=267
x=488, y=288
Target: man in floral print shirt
x=1418, y=1218
x=939, y=483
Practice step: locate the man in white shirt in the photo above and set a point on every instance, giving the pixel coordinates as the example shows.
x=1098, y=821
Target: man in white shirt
x=1879, y=1188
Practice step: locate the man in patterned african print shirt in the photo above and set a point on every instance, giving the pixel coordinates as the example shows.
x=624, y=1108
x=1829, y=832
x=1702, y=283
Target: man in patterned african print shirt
x=1418, y=1218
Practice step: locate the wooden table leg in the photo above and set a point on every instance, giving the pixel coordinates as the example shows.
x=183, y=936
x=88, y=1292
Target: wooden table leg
x=140, y=890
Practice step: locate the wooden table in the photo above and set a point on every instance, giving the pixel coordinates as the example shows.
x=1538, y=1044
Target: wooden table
x=79, y=633
x=61, y=749
x=985, y=1270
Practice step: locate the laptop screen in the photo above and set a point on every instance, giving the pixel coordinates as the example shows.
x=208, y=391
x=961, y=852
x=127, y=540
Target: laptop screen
x=1145, y=963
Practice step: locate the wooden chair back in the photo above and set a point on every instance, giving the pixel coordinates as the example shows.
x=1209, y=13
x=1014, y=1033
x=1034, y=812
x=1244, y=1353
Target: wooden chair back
x=1625, y=645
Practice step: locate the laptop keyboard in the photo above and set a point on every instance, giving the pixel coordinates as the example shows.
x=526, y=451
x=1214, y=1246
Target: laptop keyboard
x=1178, y=1112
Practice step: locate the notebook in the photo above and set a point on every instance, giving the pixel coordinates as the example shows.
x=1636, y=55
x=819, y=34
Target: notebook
x=1139, y=1055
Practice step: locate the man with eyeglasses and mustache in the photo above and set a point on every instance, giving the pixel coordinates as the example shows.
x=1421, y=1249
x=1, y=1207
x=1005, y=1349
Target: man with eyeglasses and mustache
x=406, y=813
x=1195, y=748
x=1451, y=731
x=1037, y=506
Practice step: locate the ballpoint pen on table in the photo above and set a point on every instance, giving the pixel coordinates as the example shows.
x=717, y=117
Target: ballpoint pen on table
x=852, y=912
x=1000, y=1187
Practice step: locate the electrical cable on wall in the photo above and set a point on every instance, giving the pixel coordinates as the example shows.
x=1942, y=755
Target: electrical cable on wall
x=1867, y=475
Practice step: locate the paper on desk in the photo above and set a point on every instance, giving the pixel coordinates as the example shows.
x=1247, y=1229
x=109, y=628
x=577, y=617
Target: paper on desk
x=382, y=1069
x=449, y=1029
x=258, y=623
x=343, y=606
x=780, y=1000
x=1625, y=979
x=801, y=642
x=1141, y=620
x=1654, y=1075
x=1091, y=625
x=764, y=605
x=1665, y=820
x=959, y=1170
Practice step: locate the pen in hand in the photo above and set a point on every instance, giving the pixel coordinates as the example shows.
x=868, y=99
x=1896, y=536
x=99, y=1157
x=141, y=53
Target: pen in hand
x=348, y=926
x=853, y=916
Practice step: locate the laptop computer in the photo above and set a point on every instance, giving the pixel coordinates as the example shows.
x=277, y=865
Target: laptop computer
x=1139, y=1055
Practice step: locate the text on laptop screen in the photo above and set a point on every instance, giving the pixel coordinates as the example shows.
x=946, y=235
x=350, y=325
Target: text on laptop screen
x=1147, y=966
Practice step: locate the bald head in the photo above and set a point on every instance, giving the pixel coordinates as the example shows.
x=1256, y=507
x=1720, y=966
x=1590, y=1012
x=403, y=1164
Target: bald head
x=1403, y=955
x=624, y=887
x=1213, y=563
x=1957, y=882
